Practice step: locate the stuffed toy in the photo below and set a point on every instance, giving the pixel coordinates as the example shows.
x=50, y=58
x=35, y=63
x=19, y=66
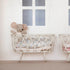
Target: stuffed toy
x=19, y=28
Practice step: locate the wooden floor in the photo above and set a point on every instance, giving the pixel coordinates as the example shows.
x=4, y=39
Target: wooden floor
x=34, y=65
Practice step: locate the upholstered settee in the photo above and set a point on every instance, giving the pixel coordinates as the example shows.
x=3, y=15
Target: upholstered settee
x=65, y=43
x=27, y=43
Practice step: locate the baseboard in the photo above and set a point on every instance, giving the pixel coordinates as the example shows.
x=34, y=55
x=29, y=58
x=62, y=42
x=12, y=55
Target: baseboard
x=34, y=61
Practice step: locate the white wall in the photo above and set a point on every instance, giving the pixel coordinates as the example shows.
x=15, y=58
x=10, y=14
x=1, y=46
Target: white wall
x=57, y=24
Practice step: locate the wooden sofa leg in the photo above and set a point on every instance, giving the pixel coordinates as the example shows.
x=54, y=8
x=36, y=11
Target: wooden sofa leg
x=68, y=58
x=44, y=56
x=21, y=57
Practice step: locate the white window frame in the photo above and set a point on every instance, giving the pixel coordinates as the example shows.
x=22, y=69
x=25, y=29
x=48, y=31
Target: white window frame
x=68, y=14
x=33, y=8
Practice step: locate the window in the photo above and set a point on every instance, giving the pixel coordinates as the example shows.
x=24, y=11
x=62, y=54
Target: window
x=27, y=3
x=27, y=17
x=40, y=17
x=34, y=12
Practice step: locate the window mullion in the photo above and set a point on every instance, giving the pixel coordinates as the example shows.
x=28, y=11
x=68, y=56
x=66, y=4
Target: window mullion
x=26, y=7
x=33, y=5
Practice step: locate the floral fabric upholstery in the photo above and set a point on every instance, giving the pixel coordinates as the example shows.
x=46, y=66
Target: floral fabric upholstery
x=32, y=43
x=65, y=40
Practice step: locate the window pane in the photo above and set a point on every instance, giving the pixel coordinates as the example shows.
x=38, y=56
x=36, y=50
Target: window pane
x=40, y=17
x=69, y=2
x=27, y=2
x=27, y=17
x=40, y=2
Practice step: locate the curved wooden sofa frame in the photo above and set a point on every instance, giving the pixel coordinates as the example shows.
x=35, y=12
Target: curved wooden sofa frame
x=27, y=43
x=65, y=43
